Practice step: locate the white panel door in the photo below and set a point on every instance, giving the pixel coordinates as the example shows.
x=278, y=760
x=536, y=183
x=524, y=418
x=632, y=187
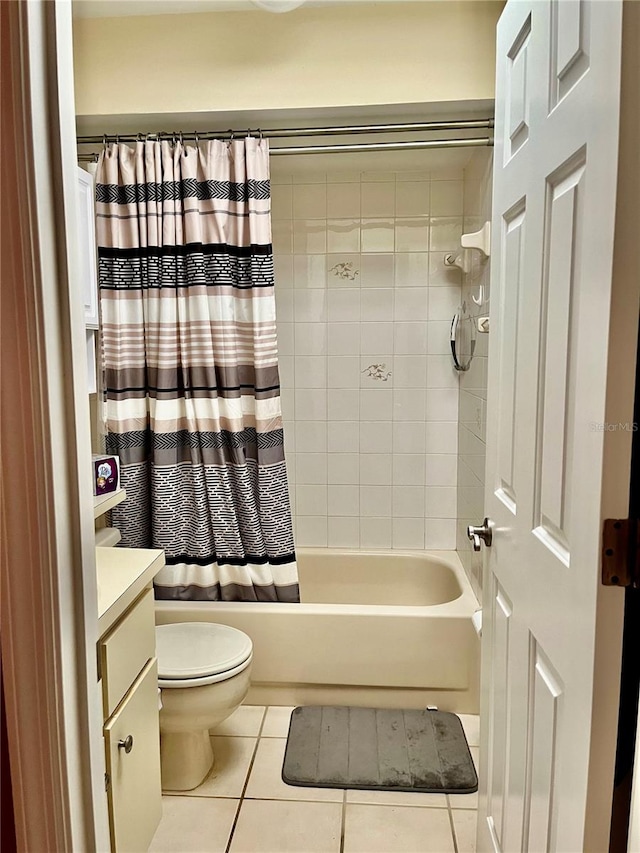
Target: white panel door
x=557, y=106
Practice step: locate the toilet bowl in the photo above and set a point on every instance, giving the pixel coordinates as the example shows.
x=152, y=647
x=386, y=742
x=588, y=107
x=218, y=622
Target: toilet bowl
x=203, y=675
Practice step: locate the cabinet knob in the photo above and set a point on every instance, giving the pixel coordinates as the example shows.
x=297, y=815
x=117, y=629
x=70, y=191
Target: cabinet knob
x=126, y=744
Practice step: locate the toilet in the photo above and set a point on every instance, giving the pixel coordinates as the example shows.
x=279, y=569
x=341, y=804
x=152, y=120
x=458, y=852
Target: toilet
x=203, y=675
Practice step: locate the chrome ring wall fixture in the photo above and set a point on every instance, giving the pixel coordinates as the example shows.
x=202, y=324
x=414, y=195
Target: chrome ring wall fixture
x=459, y=366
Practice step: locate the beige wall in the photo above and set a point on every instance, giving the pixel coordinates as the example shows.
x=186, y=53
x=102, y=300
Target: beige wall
x=352, y=55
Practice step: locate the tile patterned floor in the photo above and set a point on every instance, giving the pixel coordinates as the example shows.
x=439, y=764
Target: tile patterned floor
x=245, y=807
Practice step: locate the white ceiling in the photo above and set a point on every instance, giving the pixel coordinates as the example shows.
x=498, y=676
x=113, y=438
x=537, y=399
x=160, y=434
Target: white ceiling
x=129, y=8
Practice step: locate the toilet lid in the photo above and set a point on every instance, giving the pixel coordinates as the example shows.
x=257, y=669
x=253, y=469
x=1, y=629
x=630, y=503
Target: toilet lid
x=196, y=649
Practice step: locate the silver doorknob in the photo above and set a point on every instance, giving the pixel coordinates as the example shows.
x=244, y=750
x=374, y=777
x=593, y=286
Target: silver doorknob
x=477, y=533
x=126, y=744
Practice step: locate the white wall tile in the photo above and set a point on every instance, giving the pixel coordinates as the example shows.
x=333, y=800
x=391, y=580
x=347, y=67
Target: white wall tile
x=412, y=235
x=446, y=198
x=284, y=305
x=408, y=469
x=376, y=305
x=439, y=337
x=441, y=275
x=344, y=500
x=344, y=339
x=409, y=437
x=443, y=302
x=375, y=532
x=377, y=270
x=283, y=271
x=344, y=305
x=309, y=201
x=281, y=201
x=369, y=460
x=375, y=437
x=378, y=199
x=309, y=236
x=343, y=532
x=343, y=371
x=311, y=532
x=442, y=404
x=412, y=198
x=343, y=437
x=343, y=200
x=310, y=306
x=311, y=500
x=310, y=405
x=286, y=337
x=410, y=371
x=440, y=534
x=408, y=501
x=343, y=469
x=445, y=233
x=343, y=405
x=441, y=502
x=412, y=269
x=377, y=235
x=440, y=372
x=410, y=338
x=311, y=469
x=310, y=271
x=410, y=304
x=343, y=270
x=441, y=437
x=376, y=405
x=375, y=501
x=408, y=533
x=343, y=235
x=310, y=339
x=376, y=371
x=376, y=469
x=409, y=405
x=311, y=371
x=376, y=338
x=441, y=469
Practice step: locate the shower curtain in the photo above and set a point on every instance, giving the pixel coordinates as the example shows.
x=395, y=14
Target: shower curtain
x=191, y=382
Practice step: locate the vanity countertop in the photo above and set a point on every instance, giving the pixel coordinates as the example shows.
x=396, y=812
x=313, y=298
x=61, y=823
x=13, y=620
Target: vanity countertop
x=122, y=575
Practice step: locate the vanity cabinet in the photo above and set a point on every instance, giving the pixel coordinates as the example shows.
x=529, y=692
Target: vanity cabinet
x=128, y=670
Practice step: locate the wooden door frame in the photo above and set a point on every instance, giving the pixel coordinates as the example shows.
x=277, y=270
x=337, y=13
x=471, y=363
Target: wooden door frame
x=47, y=567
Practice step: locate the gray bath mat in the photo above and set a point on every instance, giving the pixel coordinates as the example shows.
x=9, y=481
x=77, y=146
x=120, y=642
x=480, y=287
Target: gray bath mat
x=377, y=749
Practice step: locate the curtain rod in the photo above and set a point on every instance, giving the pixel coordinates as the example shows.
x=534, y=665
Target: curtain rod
x=278, y=133
x=364, y=147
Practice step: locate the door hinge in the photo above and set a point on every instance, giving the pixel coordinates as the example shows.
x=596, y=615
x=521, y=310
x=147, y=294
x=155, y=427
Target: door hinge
x=621, y=552
x=107, y=781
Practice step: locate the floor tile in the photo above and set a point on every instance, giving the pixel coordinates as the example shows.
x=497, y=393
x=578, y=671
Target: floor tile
x=281, y=827
x=232, y=759
x=471, y=726
x=265, y=780
x=245, y=722
x=386, y=829
x=397, y=798
x=464, y=823
x=276, y=722
x=194, y=825
x=467, y=801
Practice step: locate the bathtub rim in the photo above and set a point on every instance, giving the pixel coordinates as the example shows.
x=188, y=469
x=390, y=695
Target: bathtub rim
x=463, y=606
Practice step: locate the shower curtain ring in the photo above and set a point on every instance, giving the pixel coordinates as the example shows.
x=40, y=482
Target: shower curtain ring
x=260, y=134
x=104, y=142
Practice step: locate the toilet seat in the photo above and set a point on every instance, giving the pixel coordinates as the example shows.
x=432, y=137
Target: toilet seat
x=193, y=654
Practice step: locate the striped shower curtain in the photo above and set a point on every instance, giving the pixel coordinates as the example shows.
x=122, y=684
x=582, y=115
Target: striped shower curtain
x=191, y=383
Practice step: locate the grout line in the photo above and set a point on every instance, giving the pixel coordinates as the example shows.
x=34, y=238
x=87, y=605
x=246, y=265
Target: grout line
x=453, y=829
x=343, y=819
x=246, y=782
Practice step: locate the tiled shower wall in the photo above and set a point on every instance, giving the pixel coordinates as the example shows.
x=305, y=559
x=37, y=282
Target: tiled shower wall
x=473, y=383
x=369, y=396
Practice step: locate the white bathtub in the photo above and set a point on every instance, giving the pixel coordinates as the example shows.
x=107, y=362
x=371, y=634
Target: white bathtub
x=383, y=628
